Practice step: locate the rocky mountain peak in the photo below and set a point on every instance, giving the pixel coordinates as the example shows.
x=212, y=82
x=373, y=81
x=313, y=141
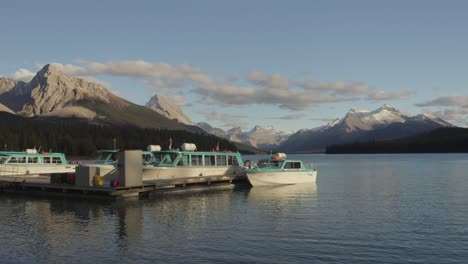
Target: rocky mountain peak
x=235, y=130
x=168, y=108
x=7, y=84
x=50, y=90
x=49, y=69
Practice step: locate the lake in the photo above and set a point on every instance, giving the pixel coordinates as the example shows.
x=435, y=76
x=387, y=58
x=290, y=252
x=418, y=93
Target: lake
x=363, y=209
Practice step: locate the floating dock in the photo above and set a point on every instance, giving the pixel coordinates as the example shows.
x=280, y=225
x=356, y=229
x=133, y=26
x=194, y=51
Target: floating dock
x=125, y=180
x=41, y=185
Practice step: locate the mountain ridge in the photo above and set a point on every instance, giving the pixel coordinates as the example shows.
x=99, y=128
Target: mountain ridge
x=52, y=93
x=259, y=136
x=386, y=122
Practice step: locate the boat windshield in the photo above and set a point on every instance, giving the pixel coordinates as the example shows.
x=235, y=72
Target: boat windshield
x=268, y=163
x=165, y=158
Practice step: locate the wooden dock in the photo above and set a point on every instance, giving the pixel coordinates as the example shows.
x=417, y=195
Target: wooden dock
x=41, y=185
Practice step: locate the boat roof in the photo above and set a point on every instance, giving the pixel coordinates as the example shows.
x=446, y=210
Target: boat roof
x=197, y=152
x=117, y=151
x=22, y=153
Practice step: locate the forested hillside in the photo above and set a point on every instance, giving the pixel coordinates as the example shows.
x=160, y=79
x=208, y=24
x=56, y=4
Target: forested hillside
x=443, y=140
x=80, y=138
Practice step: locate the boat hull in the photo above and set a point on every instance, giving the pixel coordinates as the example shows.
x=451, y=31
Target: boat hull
x=281, y=177
x=153, y=173
x=10, y=170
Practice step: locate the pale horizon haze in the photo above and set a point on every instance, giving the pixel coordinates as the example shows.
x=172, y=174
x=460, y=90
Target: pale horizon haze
x=286, y=64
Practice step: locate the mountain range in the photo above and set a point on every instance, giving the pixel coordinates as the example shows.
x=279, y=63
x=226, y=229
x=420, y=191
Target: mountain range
x=383, y=123
x=53, y=94
x=265, y=138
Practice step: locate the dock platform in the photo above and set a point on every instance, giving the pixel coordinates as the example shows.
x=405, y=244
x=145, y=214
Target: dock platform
x=41, y=185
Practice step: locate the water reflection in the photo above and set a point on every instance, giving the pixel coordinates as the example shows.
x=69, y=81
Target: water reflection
x=281, y=206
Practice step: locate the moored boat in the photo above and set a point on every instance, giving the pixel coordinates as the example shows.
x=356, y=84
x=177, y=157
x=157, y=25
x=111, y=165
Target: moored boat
x=32, y=162
x=278, y=170
x=188, y=162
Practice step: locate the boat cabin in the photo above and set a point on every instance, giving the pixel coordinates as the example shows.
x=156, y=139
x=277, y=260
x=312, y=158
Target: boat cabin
x=280, y=164
x=28, y=158
x=173, y=158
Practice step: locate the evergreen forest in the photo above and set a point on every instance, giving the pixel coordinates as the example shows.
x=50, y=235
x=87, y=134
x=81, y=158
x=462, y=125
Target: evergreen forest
x=76, y=137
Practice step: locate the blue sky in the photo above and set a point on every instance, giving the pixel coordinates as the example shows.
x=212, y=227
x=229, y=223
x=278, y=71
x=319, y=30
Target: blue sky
x=289, y=64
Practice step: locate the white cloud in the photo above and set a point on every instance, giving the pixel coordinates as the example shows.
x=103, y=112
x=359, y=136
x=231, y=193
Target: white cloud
x=335, y=87
x=23, y=75
x=456, y=115
x=289, y=117
x=456, y=108
x=453, y=100
x=70, y=69
x=179, y=100
x=271, y=90
x=215, y=89
x=228, y=120
x=386, y=96
x=276, y=81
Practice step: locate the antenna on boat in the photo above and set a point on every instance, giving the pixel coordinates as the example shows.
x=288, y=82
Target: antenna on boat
x=170, y=143
x=115, y=143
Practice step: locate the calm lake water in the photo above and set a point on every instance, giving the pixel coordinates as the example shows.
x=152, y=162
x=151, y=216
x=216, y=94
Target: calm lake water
x=363, y=209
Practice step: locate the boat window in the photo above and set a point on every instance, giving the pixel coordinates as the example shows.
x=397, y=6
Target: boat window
x=146, y=158
x=32, y=160
x=56, y=160
x=196, y=160
x=181, y=161
x=22, y=159
x=158, y=158
x=13, y=160
x=2, y=160
x=209, y=160
x=46, y=159
x=232, y=160
x=268, y=163
x=220, y=160
x=168, y=159
x=292, y=165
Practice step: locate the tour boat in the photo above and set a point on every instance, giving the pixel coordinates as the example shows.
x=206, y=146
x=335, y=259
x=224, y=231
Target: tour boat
x=188, y=162
x=32, y=162
x=278, y=171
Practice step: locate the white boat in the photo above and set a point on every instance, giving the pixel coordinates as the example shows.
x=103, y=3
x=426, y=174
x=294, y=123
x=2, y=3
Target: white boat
x=279, y=171
x=31, y=162
x=187, y=163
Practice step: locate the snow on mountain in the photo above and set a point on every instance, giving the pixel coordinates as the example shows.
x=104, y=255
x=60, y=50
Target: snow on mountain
x=266, y=136
x=386, y=122
x=356, y=120
x=166, y=107
x=261, y=137
x=433, y=118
